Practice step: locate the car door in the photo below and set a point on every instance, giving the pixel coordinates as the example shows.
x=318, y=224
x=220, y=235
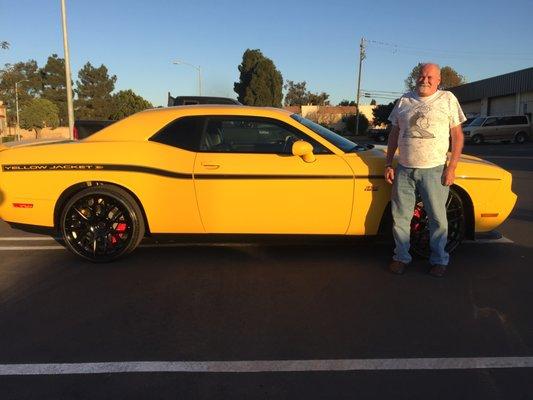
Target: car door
x=248, y=181
x=490, y=128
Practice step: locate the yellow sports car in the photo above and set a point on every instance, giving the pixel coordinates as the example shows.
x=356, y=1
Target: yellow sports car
x=223, y=169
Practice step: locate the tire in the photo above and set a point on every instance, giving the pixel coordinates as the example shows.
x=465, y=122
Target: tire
x=101, y=223
x=520, y=138
x=477, y=139
x=420, y=225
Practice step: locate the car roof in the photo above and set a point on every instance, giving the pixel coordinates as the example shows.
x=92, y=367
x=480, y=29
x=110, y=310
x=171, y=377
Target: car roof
x=144, y=124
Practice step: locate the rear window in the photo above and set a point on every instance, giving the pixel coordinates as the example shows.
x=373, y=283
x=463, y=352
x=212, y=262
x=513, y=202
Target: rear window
x=183, y=133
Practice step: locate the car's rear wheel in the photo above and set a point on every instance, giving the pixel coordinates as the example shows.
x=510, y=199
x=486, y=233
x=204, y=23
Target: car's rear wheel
x=477, y=139
x=101, y=223
x=420, y=225
x=520, y=138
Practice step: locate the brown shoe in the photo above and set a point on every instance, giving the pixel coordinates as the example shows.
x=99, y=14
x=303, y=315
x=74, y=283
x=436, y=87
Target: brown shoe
x=397, y=267
x=437, y=270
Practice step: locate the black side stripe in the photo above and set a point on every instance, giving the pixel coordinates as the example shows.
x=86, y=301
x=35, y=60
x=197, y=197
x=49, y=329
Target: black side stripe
x=268, y=177
x=93, y=167
x=166, y=173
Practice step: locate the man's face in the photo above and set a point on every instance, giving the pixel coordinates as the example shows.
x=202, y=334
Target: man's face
x=428, y=80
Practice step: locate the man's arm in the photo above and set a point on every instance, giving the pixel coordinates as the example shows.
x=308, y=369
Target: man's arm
x=392, y=145
x=448, y=176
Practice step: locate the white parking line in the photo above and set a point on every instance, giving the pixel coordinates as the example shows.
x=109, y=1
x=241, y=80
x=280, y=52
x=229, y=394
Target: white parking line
x=267, y=366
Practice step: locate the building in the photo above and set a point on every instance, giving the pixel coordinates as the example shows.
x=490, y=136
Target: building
x=506, y=94
x=331, y=116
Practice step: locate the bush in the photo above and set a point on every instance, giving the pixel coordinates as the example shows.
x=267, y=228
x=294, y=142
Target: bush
x=9, y=138
x=350, y=124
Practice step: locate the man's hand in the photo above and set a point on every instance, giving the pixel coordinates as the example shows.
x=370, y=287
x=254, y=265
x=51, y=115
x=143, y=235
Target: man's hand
x=448, y=176
x=389, y=174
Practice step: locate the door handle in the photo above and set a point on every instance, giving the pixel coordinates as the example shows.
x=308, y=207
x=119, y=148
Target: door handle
x=211, y=166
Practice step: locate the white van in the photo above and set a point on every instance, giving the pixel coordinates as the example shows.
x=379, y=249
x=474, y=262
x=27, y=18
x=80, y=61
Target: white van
x=502, y=128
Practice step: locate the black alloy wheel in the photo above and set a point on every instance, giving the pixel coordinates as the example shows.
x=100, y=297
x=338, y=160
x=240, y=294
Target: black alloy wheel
x=101, y=223
x=477, y=139
x=420, y=225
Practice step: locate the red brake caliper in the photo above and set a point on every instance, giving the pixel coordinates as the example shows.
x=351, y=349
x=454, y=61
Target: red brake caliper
x=416, y=221
x=119, y=233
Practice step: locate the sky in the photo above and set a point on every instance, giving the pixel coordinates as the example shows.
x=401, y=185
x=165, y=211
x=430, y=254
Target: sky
x=316, y=42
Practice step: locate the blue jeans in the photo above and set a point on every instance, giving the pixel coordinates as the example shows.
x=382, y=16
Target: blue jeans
x=427, y=182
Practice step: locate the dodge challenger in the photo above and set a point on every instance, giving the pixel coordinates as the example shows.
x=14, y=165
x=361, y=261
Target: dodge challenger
x=223, y=169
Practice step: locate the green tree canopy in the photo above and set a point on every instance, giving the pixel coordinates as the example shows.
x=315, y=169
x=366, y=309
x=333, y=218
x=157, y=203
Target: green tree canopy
x=94, y=89
x=54, y=86
x=298, y=95
x=38, y=114
x=260, y=83
x=449, y=78
x=350, y=122
x=29, y=86
x=126, y=103
x=381, y=113
x=347, y=103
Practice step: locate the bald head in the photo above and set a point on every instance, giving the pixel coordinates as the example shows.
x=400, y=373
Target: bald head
x=428, y=80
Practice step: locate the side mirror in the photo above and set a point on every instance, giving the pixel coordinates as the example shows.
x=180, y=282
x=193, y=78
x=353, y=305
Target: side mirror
x=303, y=149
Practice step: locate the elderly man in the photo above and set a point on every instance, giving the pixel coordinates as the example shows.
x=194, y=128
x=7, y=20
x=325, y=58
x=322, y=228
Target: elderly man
x=422, y=123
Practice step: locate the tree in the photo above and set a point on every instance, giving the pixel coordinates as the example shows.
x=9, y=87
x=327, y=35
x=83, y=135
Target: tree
x=38, y=114
x=350, y=122
x=318, y=99
x=381, y=113
x=29, y=85
x=94, y=89
x=296, y=93
x=126, y=103
x=449, y=78
x=260, y=83
x=347, y=103
x=54, y=86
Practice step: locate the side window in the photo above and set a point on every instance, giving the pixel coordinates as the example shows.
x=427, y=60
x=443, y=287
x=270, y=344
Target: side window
x=183, y=133
x=491, y=121
x=252, y=135
x=517, y=120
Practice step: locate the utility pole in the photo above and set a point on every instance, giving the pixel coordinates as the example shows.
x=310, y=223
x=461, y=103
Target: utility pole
x=70, y=107
x=362, y=56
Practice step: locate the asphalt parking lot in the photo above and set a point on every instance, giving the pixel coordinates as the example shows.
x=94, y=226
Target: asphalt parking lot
x=276, y=320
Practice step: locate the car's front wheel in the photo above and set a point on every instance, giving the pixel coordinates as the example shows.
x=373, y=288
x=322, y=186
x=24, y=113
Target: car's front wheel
x=101, y=223
x=477, y=139
x=420, y=225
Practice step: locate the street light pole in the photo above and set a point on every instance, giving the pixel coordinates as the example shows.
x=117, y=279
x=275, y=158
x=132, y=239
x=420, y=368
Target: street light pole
x=70, y=107
x=198, y=68
x=362, y=56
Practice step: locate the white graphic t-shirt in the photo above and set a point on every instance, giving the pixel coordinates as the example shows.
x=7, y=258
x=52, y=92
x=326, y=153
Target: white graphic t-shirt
x=425, y=124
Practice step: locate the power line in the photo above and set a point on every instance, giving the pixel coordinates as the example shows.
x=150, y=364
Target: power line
x=528, y=55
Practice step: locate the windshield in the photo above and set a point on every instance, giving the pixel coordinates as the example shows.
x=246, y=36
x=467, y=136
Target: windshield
x=477, y=122
x=339, y=141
